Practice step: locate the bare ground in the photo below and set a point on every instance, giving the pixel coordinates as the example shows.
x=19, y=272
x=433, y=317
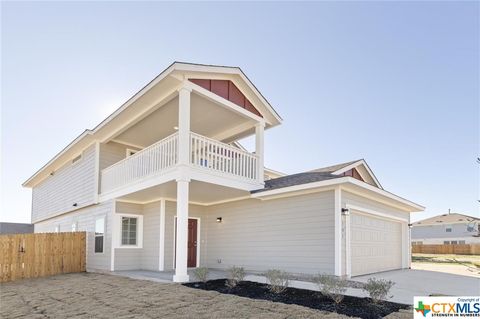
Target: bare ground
x=87, y=295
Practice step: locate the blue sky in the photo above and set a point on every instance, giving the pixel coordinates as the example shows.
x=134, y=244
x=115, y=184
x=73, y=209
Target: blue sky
x=396, y=83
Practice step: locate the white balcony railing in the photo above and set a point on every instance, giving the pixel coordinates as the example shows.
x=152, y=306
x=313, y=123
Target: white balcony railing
x=205, y=153
x=149, y=161
x=216, y=156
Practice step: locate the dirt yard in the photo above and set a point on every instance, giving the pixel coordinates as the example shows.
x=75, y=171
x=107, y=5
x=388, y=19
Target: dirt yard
x=465, y=265
x=87, y=295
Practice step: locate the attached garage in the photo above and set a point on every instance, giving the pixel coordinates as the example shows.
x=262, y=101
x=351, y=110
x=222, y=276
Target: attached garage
x=376, y=244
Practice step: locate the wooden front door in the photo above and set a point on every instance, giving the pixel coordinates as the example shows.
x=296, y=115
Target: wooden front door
x=192, y=243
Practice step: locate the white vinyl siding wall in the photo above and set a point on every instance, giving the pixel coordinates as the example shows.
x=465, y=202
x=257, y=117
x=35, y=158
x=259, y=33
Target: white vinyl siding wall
x=85, y=219
x=295, y=234
x=72, y=183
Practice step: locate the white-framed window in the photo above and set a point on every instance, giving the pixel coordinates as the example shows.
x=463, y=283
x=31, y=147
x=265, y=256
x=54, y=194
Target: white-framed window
x=129, y=228
x=76, y=159
x=461, y=242
x=57, y=228
x=74, y=226
x=446, y=242
x=130, y=152
x=454, y=242
x=129, y=231
x=99, y=235
x=448, y=228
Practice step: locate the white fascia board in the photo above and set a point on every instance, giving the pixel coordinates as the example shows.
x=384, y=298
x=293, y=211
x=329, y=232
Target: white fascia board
x=417, y=207
x=357, y=163
x=337, y=181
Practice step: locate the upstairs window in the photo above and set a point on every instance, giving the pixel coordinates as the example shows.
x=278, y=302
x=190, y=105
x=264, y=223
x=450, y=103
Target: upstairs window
x=448, y=229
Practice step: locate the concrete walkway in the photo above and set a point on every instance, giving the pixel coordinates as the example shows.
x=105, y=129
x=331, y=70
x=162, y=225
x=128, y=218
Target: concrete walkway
x=408, y=282
x=411, y=282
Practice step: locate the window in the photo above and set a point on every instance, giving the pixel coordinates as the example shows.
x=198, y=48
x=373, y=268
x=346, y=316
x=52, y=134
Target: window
x=57, y=228
x=130, y=152
x=454, y=242
x=74, y=226
x=417, y=243
x=461, y=242
x=99, y=234
x=448, y=229
x=446, y=242
x=76, y=159
x=129, y=231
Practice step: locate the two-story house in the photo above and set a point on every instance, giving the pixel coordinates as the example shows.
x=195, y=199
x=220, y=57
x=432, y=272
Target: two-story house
x=162, y=184
x=447, y=229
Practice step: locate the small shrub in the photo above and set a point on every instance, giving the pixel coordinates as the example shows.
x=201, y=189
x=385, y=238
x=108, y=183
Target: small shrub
x=201, y=274
x=332, y=287
x=278, y=280
x=378, y=289
x=235, y=275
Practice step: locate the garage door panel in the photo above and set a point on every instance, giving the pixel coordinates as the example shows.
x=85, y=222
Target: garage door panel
x=376, y=244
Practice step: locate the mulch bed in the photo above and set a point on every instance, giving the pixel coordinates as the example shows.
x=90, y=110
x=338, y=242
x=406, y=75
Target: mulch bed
x=351, y=306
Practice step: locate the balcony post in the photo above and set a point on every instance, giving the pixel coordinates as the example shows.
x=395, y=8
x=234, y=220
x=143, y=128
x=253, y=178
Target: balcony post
x=181, y=249
x=184, y=125
x=259, y=149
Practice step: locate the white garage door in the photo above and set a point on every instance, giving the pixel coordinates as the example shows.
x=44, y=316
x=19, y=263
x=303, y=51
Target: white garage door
x=376, y=244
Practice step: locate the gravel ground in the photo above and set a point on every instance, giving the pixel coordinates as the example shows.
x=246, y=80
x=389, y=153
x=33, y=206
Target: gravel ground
x=88, y=295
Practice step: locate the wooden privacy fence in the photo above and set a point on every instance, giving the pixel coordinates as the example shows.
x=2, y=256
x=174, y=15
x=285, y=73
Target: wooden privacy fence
x=472, y=249
x=43, y=254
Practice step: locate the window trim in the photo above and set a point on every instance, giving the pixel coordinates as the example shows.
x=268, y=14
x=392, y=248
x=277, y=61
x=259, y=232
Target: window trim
x=118, y=230
x=448, y=227
x=104, y=217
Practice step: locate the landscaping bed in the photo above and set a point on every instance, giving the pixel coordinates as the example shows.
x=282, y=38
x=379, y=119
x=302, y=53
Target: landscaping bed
x=351, y=306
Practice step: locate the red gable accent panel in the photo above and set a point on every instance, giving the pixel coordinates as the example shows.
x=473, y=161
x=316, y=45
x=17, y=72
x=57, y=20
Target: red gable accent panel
x=353, y=173
x=228, y=91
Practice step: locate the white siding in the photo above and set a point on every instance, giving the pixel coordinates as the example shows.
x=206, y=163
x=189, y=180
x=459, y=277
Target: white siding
x=85, y=219
x=111, y=153
x=295, y=234
x=72, y=183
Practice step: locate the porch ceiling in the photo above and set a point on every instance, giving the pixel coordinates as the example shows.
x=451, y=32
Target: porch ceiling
x=200, y=192
x=207, y=118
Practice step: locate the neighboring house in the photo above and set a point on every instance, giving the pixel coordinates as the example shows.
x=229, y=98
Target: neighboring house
x=447, y=229
x=15, y=228
x=161, y=184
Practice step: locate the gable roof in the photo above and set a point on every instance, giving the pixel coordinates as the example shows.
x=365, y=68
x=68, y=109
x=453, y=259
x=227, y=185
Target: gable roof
x=334, y=168
x=452, y=218
x=316, y=175
x=272, y=118
x=296, y=179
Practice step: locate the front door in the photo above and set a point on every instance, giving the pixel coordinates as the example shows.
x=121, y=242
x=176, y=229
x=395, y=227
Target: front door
x=192, y=243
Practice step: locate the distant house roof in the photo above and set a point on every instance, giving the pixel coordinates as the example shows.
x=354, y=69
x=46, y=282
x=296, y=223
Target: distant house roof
x=453, y=218
x=15, y=228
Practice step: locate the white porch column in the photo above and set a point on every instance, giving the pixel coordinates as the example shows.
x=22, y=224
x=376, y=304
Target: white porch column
x=181, y=254
x=259, y=149
x=184, y=126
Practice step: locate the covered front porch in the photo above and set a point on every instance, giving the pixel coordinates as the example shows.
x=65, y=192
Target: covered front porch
x=171, y=223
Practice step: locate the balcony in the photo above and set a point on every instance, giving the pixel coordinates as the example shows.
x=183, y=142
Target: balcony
x=206, y=155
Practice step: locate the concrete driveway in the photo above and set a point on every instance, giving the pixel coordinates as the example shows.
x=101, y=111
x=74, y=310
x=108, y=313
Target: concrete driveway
x=411, y=282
